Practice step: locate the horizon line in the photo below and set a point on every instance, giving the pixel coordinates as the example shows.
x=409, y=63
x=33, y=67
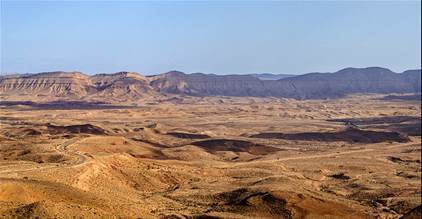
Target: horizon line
x=152, y=74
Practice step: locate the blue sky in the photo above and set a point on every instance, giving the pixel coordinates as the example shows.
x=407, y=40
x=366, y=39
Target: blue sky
x=211, y=37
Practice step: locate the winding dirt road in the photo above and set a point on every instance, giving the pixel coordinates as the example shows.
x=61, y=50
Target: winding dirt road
x=63, y=148
x=81, y=158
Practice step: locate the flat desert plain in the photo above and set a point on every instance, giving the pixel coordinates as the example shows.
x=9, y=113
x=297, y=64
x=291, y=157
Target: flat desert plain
x=212, y=157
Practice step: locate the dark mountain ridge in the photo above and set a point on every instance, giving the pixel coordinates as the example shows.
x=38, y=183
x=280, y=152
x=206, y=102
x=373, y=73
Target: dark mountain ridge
x=132, y=86
x=308, y=86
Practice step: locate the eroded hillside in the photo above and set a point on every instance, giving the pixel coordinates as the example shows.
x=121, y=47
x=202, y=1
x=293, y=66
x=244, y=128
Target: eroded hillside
x=216, y=157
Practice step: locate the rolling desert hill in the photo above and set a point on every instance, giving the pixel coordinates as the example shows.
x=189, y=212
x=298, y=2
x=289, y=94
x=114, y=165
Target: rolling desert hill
x=131, y=86
x=356, y=157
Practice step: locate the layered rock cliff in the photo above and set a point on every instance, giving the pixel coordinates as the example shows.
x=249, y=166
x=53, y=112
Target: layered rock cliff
x=308, y=86
x=124, y=86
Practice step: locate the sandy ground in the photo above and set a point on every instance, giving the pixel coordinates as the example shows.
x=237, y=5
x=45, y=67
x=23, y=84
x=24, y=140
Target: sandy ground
x=198, y=159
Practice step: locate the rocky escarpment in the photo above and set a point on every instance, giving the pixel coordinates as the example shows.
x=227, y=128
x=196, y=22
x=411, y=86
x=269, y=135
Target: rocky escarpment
x=351, y=80
x=126, y=86
x=308, y=86
x=75, y=85
x=47, y=84
x=209, y=84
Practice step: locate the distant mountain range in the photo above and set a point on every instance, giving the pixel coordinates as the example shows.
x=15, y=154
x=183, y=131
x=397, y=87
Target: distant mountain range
x=131, y=86
x=269, y=76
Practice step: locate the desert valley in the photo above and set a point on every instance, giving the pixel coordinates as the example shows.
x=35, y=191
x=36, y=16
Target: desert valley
x=175, y=145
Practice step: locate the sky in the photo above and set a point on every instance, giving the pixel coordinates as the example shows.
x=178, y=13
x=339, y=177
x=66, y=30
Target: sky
x=220, y=37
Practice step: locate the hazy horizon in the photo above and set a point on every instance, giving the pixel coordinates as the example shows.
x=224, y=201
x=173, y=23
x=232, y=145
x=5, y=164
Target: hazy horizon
x=209, y=37
x=151, y=74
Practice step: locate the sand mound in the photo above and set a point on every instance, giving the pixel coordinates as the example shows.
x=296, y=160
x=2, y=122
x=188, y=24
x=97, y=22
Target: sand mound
x=48, y=209
x=378, y=120
x=27, y=191
x=25, y=198
x=30, y=132
x=411, y=125
x=76, y=129
x=189, y=153
x=23, y=132
x=279, y=204
x=30, y=153
x=349, y=135
x=259, y=202
x=118, y=144
x=215, y=145
x=188, y=135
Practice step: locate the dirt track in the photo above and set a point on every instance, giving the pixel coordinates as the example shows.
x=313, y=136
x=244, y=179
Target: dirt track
x=207, y=165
